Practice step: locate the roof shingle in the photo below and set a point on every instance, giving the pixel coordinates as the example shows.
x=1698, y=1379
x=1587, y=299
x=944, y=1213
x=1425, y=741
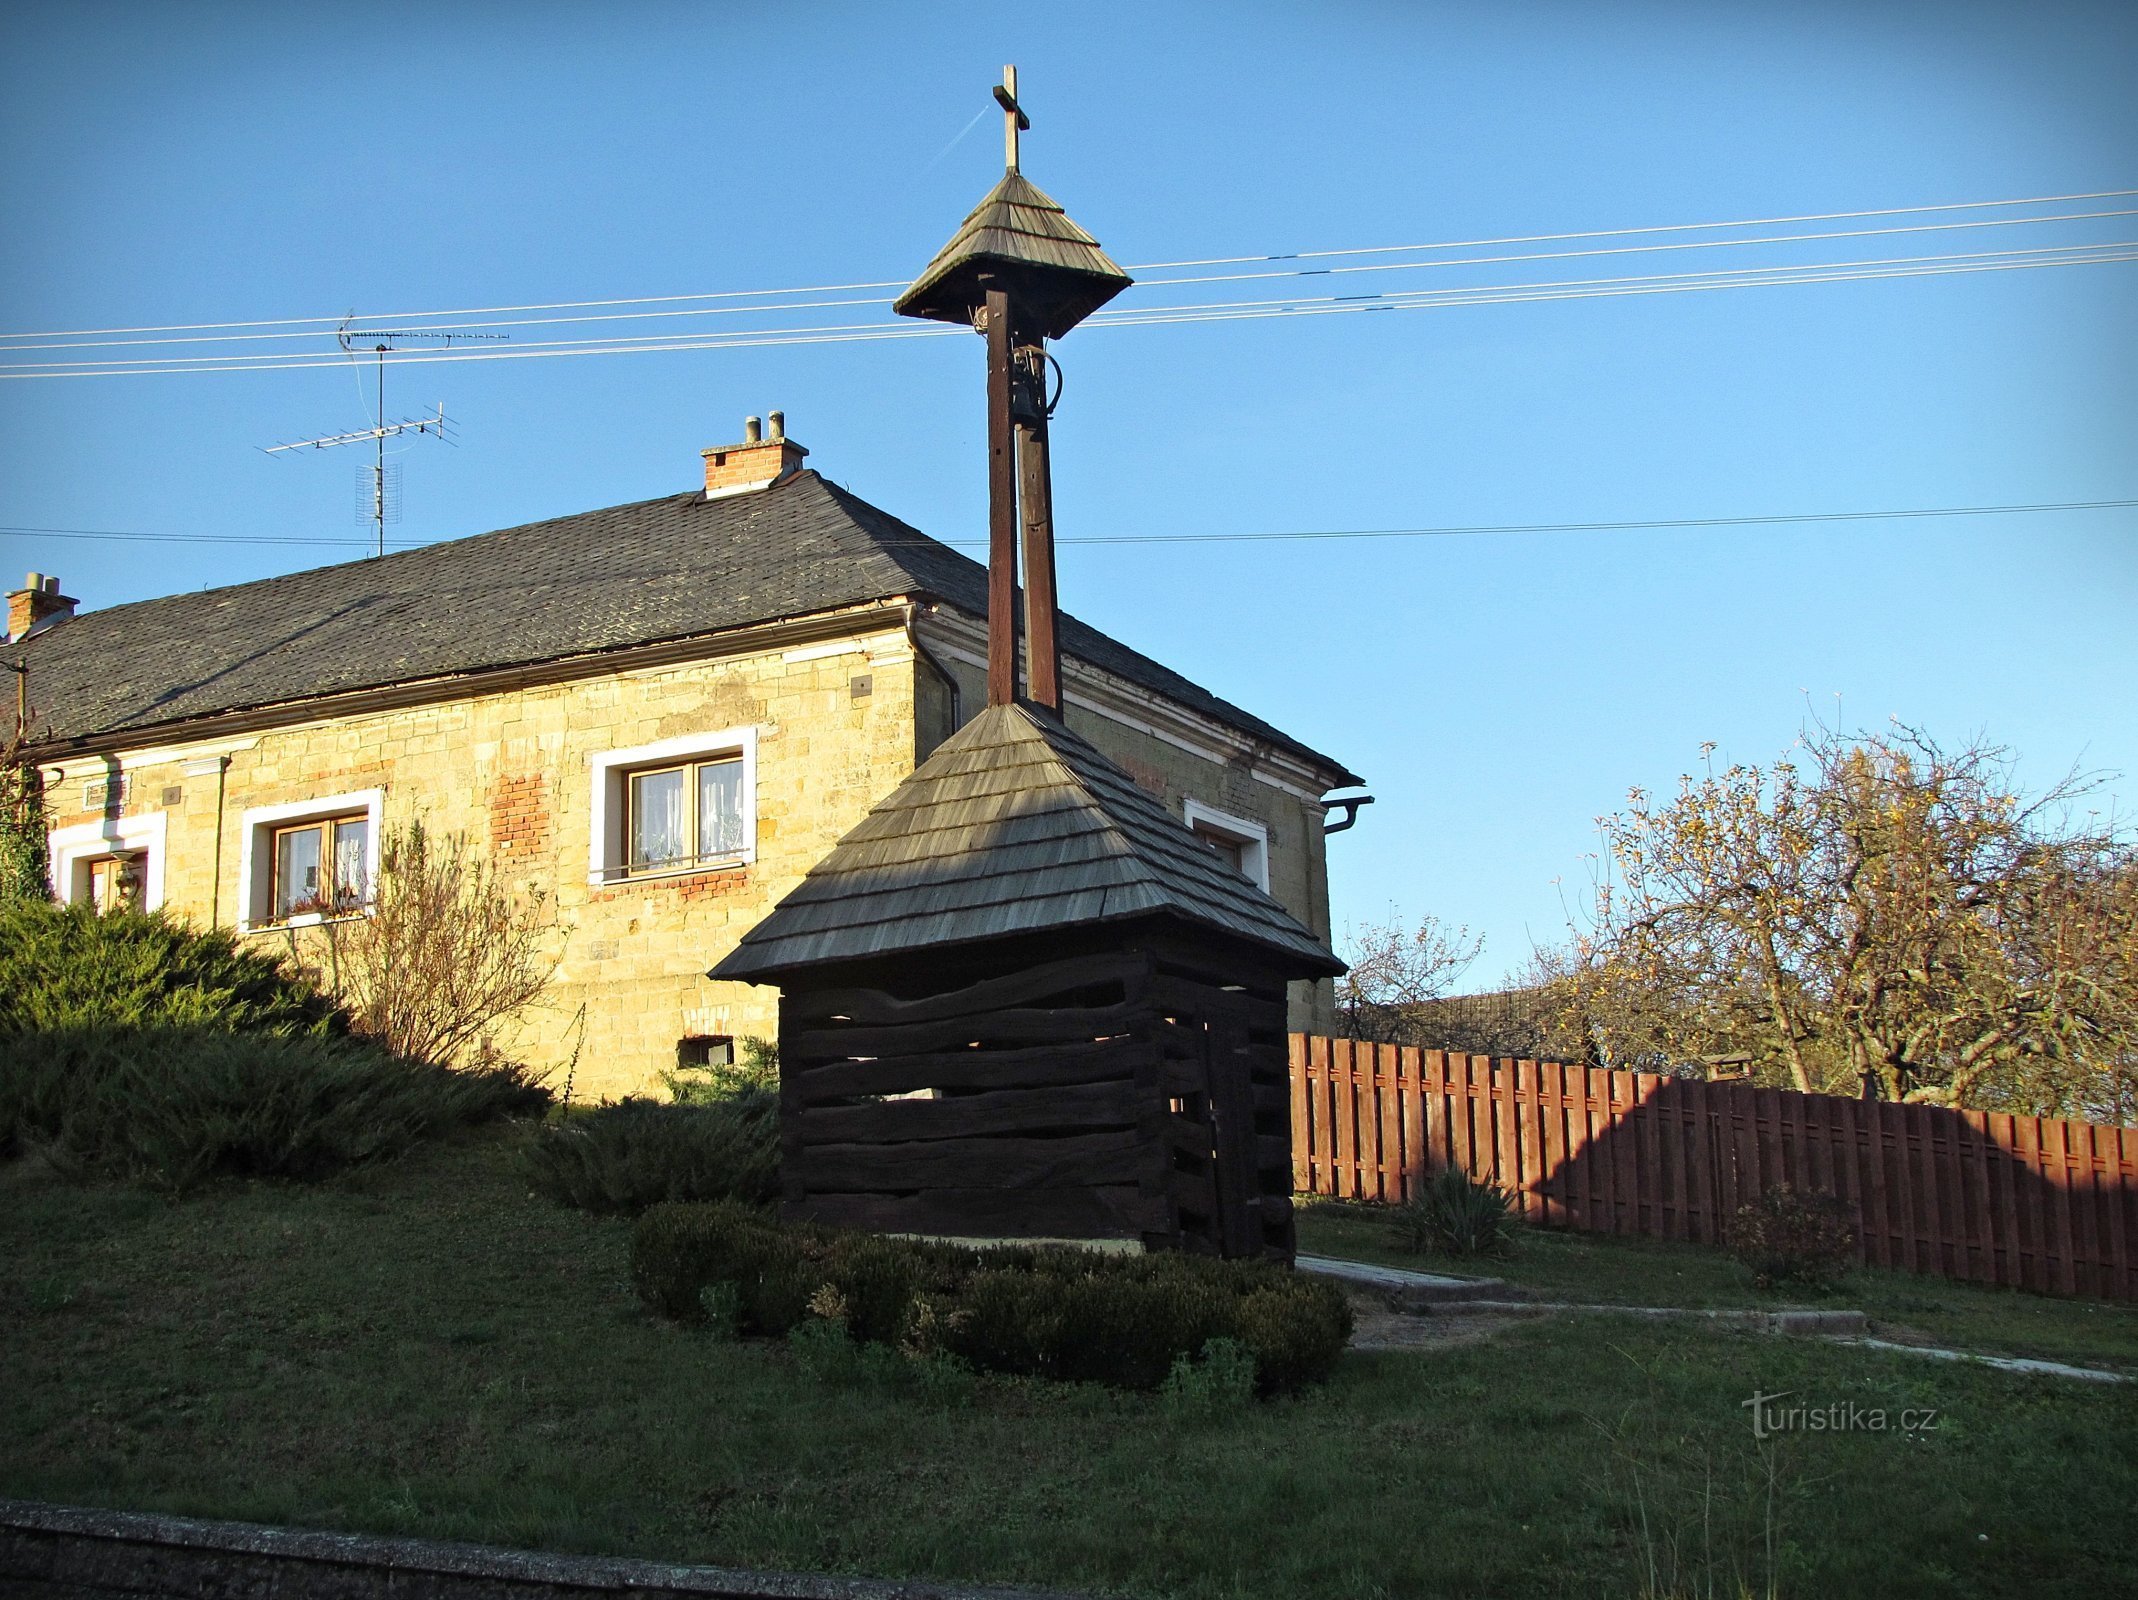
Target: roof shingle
x=1015, y=825
x=672, y=568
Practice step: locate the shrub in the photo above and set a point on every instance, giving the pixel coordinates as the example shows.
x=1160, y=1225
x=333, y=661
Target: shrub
x=1453, y=1213
x=1048, y=1313
x=1793, y=1235
x=171, y=1107
x=445, y=951
x=636, y=1153
x=65, y=968
x=1223, y=1380
x=134, y=1046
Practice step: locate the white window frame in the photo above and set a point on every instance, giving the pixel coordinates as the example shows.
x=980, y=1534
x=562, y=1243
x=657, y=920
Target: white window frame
x=256, y=851
x=1250, y=835
x=610, y=774
x=71, y=851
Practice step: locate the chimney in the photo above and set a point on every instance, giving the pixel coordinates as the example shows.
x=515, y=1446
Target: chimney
x=758, y=462
x=36, y=606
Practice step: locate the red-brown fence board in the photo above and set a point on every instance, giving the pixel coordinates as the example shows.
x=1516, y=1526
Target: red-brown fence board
x=2033, y=1202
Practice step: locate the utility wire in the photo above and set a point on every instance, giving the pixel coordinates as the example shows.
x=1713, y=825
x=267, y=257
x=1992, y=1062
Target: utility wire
x=1145, y=286
x=329, y=322
x=1749, y=277
x=1292, y=536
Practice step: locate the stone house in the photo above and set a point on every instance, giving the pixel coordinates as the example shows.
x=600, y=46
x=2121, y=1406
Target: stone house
x=660, y=714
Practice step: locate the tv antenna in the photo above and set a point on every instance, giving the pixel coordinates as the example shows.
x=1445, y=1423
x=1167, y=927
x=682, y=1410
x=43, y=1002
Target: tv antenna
x=378, y=486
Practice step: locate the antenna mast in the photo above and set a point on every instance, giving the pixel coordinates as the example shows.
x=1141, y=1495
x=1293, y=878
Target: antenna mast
x=379, y=503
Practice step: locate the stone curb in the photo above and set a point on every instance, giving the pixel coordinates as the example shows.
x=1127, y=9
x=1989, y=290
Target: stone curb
x=71, y=1550
x=1788, y=1322
x=1410, y=1288
x=2027, y=1364
x=1430, y=1293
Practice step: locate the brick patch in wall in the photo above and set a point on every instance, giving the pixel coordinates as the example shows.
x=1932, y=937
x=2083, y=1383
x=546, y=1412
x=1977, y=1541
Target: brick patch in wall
x=519, y=815
x=713, y=885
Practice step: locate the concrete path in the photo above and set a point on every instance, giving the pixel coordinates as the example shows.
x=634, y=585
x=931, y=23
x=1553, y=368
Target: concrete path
x=2050, y=1369
x=1483, y=1305
x=1441, y=1294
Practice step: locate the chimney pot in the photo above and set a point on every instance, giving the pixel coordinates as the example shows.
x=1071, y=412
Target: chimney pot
x=37, y=605
x=758, y=462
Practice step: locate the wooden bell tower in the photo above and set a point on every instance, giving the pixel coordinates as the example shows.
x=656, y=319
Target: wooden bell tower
x=1021, y=273
x=1019, y=999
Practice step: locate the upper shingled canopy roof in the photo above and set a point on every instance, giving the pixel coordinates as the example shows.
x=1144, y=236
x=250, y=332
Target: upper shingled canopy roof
x=1015, y=825
x=675, y=568
x=1025, y=242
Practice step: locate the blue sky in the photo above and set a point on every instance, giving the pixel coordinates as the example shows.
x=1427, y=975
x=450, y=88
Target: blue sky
x=165, y=165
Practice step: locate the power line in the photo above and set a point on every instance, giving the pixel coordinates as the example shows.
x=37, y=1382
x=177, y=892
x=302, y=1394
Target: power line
x=1641, y=249
x=1291, y=536
x=1619, y=233
x=325, y=322
x=1245, y=310
x=1144, y=287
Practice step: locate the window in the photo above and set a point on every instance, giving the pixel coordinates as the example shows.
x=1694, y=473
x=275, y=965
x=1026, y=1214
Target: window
x=1240, y=842
x=308, y=860
x=698, y=1050
x=116, y=882
x=110, y=865
x=320, y=866
x=683, y=805
x=687, y=815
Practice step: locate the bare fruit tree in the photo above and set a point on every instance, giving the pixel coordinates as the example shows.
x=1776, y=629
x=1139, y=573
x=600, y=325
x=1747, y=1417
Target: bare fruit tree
x=1396, y=970
x=444, y=953
x=1881, y=916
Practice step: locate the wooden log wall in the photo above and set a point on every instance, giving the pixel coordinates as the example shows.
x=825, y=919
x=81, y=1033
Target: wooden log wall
x=1123, y=1094
x=2030, y=1202
x=1018, y=1106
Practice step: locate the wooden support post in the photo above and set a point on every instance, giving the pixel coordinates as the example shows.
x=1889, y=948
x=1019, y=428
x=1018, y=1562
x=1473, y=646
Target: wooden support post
x=1043, y=665
x=1001, y=509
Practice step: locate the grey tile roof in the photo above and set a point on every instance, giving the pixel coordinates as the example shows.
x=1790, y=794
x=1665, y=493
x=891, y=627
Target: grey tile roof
x=673, y=568
x=1015, y=825
x=1017, y=233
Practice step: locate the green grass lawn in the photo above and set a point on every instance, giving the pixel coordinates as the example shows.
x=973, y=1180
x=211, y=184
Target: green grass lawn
x=1605, y=1269
x=426, y=1349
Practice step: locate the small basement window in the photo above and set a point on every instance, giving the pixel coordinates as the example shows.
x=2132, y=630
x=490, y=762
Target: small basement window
x=684, y=805
x=704, y=1050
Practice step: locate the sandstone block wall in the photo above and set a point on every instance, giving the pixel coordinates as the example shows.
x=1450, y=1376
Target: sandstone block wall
x=514, y=773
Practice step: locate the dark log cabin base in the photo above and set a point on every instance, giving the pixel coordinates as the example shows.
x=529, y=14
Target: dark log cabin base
x=1134, y=1092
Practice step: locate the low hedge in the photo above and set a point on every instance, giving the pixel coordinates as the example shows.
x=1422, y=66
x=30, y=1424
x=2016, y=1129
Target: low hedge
x=134, y=1046
x=1055, y=1313
x=638, y=1152
x=170, y=1107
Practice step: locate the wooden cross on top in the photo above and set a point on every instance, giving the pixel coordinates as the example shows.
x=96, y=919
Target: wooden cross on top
x=1013, y=117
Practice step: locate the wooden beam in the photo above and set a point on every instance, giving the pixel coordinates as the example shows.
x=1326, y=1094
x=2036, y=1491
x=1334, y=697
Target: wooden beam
x=1043, y=662
x=1001, y=509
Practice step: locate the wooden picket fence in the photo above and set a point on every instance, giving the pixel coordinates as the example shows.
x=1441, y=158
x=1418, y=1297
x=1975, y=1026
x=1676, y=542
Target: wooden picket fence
x=2033, y=1202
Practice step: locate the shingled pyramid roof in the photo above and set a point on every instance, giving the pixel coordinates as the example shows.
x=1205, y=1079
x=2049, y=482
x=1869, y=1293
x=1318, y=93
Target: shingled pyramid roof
x=1015, y=825
x=1055, y=269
